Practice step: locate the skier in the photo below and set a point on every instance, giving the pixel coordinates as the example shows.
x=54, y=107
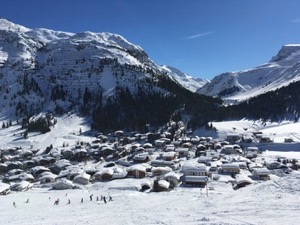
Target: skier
x=110, y=198
x=81, y=200
x=56, y=201
x=91, y=197
x=69, y=202
x=97, y=199
x=104, y=199
x=27, y=200
x=14, y=204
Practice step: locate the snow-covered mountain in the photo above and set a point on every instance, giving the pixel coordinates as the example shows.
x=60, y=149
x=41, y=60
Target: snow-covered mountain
x=189, y=82
x=46, y=70
x=281, y=70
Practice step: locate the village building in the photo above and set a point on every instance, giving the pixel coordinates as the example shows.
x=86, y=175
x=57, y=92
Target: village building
x=242, y=180
x=195, y=140
x=80, y=154
x=47, y=177
x=253, y=166
x=37, y=170
x=104, y=174
x=146, y=185
x=261, y=173
x=252, y=152
x=3, y=168
x=273, y=165
x=61, y=165
x=67, y=153
x=182, y=152
x=158, y=163
x=161, y=185
x=26, y=154
x=195, y=180
x=44, y=161
x=119, y=173
x=158, y=171
x=173, y=178
x=20, y=186
x=194, y=169
x=230, y=168
x=141, y=157
x=136, y=171
x=160, y=143
x=27, y=164
x=14, y=165
x=233, y=138
x=228, y=150
x=71, y=172
x=200, y=149
x=170, y=148
x=205, y=160
x=4, y=188
x=62, y=184
x=169, y=156
x=82, y=179
x=147, y=145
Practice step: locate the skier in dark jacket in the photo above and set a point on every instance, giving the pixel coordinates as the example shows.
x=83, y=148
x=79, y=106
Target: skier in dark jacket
x=104, y=199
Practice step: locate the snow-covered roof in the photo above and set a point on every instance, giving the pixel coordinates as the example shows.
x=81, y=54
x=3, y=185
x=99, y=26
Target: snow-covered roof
x=169, y=154
x=261, y=171
x=141, y=156
x=82, y=176
x=241, y=178
x=173, y=174
x=137, y=167
x=165, y=169
x=164, y=183
x=230, y=165
x=3, y=186
x=194, y=167
x=64, y=182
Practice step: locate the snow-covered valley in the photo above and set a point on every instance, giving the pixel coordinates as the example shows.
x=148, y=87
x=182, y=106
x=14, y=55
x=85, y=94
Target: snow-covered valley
x=274, y=201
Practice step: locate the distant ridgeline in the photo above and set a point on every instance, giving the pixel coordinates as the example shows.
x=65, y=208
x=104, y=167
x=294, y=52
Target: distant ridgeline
x=280, y=104
x=112, y=81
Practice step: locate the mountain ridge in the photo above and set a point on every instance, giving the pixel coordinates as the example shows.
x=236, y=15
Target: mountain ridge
x=280, y=71
x=91, y=73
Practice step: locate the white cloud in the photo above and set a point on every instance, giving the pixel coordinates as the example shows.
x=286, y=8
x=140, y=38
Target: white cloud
x=199, y=35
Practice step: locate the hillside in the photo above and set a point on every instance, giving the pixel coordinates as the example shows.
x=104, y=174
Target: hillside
x=98, y=75
x=280, y=71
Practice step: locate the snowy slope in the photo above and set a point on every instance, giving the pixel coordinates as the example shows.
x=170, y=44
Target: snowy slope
x=273, y=202
x=187, y=81
x=71, y=63
x=238, y=86
x=270, y=202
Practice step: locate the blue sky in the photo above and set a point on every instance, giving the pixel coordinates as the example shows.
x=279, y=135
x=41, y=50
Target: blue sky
x=200, y=37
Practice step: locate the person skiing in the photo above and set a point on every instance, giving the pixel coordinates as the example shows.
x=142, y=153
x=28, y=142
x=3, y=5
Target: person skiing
x=81, y=200
x=14, y=204
x=91, y=197
x=27, y=200
x=56, y=201
x=104, y=199
x=110, y=198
